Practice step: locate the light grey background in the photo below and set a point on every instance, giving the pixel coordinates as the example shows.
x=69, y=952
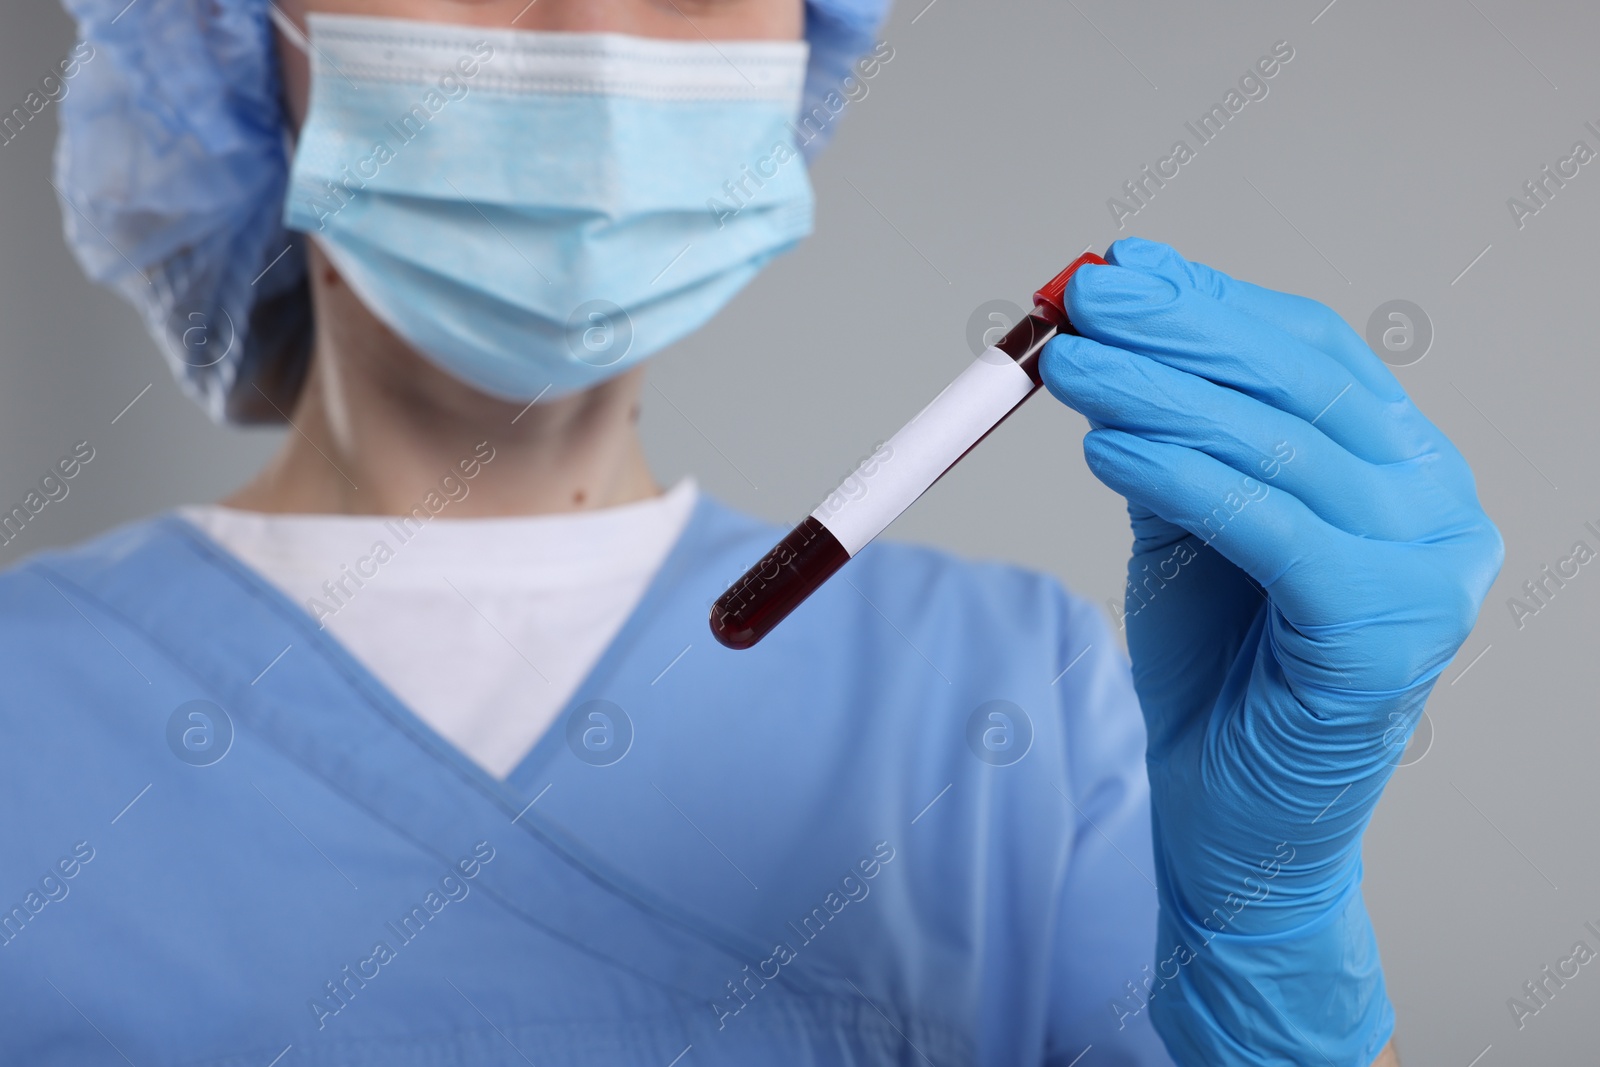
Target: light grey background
x=981, y=160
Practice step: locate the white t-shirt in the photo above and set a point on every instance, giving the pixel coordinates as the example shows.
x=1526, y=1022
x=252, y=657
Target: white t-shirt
x=483, y=627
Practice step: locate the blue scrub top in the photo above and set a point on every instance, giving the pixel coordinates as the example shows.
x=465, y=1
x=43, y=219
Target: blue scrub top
x=910, y=827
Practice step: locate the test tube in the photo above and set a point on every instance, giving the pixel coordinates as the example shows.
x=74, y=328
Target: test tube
x=899, y=471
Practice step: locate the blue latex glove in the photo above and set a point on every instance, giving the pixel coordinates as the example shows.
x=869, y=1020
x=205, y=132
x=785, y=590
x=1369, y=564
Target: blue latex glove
x=1309, y=554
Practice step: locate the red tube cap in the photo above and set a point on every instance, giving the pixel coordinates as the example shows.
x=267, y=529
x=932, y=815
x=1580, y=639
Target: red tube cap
x=1054, y=291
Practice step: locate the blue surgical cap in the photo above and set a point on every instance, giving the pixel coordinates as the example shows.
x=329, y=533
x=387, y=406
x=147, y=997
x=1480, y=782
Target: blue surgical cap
x=172, y=165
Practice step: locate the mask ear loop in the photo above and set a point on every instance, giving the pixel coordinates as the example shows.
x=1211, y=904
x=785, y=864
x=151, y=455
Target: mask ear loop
x=297, y=38
x=294, y=36
x=287, y=27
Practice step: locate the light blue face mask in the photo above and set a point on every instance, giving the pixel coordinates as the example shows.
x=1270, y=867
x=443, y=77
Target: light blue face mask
x=536, y=212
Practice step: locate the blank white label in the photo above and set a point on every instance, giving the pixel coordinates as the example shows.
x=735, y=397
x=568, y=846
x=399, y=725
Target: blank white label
x=902, y=468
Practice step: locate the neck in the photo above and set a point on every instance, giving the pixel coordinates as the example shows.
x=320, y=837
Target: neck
x=377, y=427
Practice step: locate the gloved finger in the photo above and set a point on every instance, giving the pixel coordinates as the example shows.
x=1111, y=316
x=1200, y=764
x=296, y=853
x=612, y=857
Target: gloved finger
x=1320, y=326
x=1273, y=537
x=1300, y=317
x=1151, y=533
x=1192, y=332
x=1122, y=390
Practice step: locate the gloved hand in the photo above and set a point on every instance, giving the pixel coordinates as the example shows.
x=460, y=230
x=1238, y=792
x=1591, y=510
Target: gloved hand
x=1309, y=554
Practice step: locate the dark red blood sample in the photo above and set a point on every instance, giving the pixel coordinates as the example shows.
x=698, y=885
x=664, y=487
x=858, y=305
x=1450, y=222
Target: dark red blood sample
x=774, y=587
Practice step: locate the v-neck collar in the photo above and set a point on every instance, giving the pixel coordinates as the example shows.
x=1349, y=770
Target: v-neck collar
x=523, y=781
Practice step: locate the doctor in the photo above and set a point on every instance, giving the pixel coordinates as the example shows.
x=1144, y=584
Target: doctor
x=415, y=750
